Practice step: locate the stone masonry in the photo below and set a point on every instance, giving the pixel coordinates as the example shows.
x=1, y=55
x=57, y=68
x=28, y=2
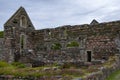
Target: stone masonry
x=95, y=41
x=1, y=48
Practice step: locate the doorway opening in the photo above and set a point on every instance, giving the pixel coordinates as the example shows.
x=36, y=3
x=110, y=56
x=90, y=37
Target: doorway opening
x=89, y=56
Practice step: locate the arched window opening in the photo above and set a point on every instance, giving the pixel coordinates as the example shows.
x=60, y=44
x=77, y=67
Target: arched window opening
x=22, y=42
x=23, y=21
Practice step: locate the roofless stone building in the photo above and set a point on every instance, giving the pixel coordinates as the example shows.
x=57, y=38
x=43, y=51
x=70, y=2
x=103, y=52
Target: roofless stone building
x=87, y=43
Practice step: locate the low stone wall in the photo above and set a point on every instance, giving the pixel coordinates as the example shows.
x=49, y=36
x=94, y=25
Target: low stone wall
x=104, y=71
x=100, y=75
x=9, y=77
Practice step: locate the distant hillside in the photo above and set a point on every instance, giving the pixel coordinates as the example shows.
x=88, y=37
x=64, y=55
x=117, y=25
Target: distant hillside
x=1, y=34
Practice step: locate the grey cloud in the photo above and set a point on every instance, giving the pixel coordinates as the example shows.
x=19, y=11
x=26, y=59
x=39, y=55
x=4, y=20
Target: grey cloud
x=53, y=13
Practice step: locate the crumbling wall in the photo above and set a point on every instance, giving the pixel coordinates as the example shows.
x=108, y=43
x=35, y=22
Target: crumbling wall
x=98, y=38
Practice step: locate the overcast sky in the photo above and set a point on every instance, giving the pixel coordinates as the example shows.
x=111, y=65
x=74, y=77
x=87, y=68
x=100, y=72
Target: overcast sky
x=54, y=13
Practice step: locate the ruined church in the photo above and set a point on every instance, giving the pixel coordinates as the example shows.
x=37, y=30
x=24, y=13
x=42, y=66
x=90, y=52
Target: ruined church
x=77, y=43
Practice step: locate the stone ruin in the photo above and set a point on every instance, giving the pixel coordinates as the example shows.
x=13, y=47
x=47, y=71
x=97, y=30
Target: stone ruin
x=78, y=43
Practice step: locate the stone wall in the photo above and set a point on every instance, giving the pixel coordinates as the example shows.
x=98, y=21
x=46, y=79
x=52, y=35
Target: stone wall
x=9, y=77
x=1, y=48
x=17, y=26
x=99, y=40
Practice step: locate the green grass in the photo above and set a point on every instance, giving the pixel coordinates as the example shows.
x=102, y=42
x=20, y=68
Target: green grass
x=4, y=64
x=19, y=69
x=114, y=76
x=1, y=34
